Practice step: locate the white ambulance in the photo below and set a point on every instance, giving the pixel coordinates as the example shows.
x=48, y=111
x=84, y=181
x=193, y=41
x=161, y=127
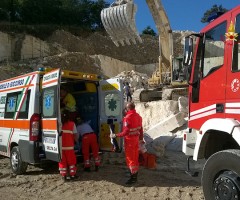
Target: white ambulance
x=30, y=117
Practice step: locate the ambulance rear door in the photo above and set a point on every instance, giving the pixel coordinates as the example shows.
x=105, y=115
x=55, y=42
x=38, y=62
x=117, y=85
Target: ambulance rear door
x=111, y=108
x=51, y=115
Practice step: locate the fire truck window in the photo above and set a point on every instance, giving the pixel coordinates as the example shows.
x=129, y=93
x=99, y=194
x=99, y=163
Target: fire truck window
x=112, y=105
x=214, y=49
x=236, y=47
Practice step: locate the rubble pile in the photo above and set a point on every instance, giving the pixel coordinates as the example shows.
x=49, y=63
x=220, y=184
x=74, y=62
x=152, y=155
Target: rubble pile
x=135, y=79
x=155, y=111
x=163, y=123
x=73, y=61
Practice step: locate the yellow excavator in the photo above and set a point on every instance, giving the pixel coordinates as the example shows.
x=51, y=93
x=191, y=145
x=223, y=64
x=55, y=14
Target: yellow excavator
x=119, y=22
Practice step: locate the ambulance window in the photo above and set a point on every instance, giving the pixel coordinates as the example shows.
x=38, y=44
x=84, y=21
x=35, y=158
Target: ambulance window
x=214, y=49
x=11, y=105
x=236, y=47
x=112, y=105
x=24, y=105
x=49, y=102
x=17, y=101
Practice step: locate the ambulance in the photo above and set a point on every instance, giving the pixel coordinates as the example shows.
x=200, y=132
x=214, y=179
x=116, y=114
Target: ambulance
x=30, y=116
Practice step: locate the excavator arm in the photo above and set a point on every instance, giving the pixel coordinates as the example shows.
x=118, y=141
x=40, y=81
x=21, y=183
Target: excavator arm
x=163, y=74
x=119, y=22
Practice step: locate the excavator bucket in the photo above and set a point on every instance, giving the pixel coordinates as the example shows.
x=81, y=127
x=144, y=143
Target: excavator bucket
x=119, y=22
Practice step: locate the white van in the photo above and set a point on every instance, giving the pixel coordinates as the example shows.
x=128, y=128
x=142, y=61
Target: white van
x=30, y=120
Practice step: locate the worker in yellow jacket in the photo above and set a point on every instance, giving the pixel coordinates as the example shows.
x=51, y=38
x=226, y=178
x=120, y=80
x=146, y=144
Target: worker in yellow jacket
x=68, y=102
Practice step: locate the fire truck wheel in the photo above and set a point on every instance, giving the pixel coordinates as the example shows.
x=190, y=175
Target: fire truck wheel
x=221, y=176
x=17, y=165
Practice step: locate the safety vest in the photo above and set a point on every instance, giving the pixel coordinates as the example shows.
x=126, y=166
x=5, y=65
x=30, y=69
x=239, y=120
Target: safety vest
x=70, y=103
x=68, y=136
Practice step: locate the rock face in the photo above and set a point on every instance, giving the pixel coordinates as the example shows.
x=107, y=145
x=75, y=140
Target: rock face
x=98, y=43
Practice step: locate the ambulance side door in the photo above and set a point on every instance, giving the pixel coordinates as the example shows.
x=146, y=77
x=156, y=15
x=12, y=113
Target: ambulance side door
x=51, y=115
x=111, y=108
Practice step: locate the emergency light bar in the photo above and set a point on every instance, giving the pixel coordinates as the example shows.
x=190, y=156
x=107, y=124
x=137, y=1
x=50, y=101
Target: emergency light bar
x=214, y=16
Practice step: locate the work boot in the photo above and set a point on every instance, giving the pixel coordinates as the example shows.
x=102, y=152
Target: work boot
x=64, y=178
x=133, y=179
x=127, y=173
x=96, y=168
x=73, y=178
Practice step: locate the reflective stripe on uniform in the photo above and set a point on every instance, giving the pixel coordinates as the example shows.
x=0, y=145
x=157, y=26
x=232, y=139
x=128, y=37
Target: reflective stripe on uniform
x=62, y=169
x=135, y=129
x=134, y=133
x=97, y=160
x=133, y=169
x=72, y=166
x=86, y=162
x=67, y=131
x=67, y=148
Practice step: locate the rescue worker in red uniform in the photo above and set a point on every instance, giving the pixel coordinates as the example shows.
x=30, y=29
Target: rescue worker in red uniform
x=89, y=141
x=67, y=165
x=132, y=133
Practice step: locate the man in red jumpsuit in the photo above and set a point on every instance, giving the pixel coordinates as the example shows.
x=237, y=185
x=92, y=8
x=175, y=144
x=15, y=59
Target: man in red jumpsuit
x=89, y=141
x=69, y=136
x=132, y=133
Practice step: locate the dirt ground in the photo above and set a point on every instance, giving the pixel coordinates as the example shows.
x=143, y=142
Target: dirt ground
x=167, y=182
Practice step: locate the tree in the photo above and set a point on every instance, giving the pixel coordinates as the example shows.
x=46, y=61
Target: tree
x=9, y=10
x=4, y=15
x=79, y=13
x=40, y=12
x=215, y=9
x=149, y=31
x=96, y=11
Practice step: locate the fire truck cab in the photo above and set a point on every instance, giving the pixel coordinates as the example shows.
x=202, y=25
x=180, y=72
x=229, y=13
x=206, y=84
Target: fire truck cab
x=30, y=115
x=213, y=63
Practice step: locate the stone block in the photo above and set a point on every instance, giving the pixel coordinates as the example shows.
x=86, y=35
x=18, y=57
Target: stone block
x=167, y=125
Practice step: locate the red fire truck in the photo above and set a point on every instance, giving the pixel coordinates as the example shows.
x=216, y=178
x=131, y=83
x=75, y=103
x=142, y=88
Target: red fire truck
x=213, y=63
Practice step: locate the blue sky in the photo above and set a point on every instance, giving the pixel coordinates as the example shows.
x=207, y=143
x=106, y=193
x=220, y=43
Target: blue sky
x=182, y=14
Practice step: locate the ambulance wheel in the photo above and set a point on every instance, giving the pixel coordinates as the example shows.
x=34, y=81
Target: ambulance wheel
x=17, y=165
x=221, y=176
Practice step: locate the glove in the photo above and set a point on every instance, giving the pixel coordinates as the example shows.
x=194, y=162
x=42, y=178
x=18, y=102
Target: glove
x=112, y=135
x=142, y=148
x=141, y=142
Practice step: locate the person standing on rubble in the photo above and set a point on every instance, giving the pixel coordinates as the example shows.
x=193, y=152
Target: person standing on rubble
x=128, y=91
x=67, y=165
x=89, y=141
x=132, y=133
